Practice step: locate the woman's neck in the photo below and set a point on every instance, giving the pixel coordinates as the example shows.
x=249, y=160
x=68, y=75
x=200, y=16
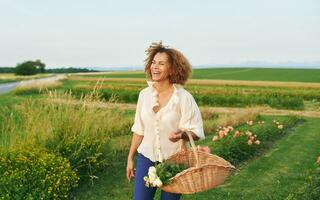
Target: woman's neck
x=162, y=86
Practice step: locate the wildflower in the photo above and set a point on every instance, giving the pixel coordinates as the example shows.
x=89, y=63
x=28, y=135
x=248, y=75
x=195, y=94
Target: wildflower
x=248, y=133
x=236, y=134
x=225, y=129
x=261, y=123
x=257, y=142
x=203, y=149
x=222, y=134
x=215, y=138
x=250, y=123
x=230, y=128
x=251, y=138
x=280, y=126
x=249, y=142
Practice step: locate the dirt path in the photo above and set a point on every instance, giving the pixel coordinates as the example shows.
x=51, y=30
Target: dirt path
x=265, y=111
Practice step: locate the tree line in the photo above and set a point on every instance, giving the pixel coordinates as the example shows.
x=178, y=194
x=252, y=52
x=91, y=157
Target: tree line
x=35, y=67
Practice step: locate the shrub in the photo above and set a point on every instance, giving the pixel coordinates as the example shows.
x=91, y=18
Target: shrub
x=238, y=147
x=35, y=174
x=74, y=129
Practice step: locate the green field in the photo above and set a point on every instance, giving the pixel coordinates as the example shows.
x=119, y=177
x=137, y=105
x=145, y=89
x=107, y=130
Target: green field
x=91, y=130
x=251, y=74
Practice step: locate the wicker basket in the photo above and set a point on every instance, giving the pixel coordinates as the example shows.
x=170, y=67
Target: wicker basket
x=205, y=171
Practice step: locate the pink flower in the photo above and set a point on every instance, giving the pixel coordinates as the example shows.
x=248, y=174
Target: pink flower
x=248, y=133
x=204, y=149
x=249, y=142
x=230, y=128
x=251, y=138
x=236, y=134
x=226, y=129
x=215, y=138
x=257, y=142
x=222, y=134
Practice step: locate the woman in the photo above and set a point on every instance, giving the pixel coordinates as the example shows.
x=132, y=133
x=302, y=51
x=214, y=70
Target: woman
x=165, y=110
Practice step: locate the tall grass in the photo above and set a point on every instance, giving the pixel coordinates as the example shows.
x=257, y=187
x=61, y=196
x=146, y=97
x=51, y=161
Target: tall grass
x=78, y=132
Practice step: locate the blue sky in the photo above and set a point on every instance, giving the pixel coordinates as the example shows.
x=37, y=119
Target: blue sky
x=116, y=33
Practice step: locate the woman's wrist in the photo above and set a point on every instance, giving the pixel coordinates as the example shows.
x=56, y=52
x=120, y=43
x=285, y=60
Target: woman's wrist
x=130, y=157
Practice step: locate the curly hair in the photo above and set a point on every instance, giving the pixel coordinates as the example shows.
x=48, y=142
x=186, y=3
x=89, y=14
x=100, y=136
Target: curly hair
x=180, y=68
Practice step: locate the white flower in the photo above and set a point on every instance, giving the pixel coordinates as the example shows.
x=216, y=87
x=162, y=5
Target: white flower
x=152, y=174
x=152, y=169
x=158, y=182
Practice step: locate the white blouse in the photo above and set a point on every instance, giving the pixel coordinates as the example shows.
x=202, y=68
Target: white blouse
x=181, y=112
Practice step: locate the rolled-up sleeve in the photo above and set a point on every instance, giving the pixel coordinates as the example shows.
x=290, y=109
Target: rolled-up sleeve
x=137, y=126
x=191, y=116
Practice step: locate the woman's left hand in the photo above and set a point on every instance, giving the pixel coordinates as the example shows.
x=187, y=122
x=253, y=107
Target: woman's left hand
x=175, y=136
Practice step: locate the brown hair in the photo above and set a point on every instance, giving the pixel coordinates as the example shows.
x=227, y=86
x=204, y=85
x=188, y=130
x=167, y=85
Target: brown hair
x=180, y=69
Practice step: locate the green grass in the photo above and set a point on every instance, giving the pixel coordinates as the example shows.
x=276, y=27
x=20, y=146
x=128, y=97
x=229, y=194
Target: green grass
x=7, y=81
x=251, y=74
x=9, y=99
x=278, y=173
x=261, y=74
x=274, y=175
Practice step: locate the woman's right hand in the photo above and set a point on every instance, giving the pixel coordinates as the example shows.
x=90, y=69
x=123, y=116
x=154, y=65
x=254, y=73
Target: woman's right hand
x=130, y=169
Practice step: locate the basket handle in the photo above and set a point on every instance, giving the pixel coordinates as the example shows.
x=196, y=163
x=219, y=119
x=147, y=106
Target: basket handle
x=193, y=146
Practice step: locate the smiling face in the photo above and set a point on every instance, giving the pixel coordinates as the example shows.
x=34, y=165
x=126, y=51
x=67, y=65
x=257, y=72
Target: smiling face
x=160, y=67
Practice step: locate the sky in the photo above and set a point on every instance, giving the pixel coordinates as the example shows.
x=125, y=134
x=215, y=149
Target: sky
x=105, y=33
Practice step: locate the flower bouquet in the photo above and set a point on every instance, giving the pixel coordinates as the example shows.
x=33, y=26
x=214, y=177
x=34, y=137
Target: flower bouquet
x=162, y=174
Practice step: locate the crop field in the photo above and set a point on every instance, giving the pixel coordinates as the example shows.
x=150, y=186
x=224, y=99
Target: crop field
x=69, y=139
x=251, y=74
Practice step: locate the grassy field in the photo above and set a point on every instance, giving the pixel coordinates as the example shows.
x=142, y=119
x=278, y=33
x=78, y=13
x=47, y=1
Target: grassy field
x=273, y=175
x=93, y=131
x=251, y=74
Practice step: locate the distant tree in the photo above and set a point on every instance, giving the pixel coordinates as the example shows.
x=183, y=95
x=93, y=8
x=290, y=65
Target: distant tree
x=30, y=68
x=41, y=66
x=7, y=69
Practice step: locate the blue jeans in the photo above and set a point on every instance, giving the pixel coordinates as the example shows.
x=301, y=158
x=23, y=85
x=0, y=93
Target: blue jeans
x=141, y=192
